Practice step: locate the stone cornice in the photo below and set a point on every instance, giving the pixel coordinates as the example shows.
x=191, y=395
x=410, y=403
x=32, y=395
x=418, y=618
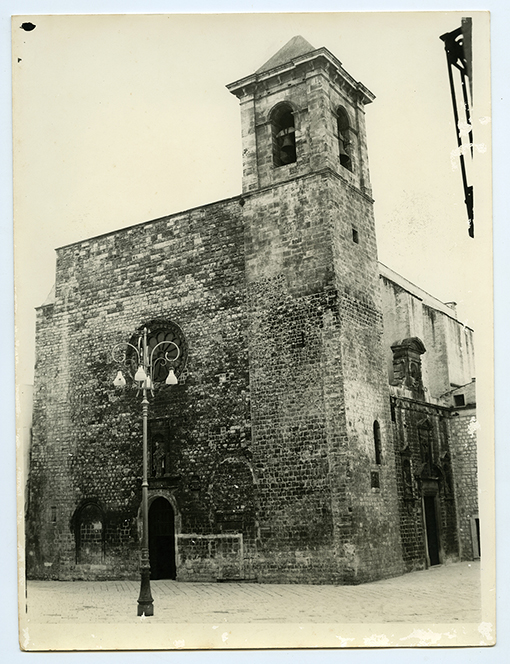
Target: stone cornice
x=318, y=59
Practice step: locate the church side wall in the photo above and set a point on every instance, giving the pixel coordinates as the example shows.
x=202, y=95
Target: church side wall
x=461, y=363
x=449, y=357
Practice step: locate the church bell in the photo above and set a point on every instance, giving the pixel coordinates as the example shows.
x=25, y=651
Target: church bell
x=345, y=160
x=287, y=145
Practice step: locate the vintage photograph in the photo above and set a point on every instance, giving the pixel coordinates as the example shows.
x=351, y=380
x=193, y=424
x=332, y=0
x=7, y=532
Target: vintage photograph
x=253, y=273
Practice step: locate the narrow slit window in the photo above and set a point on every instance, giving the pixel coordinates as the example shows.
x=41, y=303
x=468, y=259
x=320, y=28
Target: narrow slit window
x=377, y=442
x=355, y=236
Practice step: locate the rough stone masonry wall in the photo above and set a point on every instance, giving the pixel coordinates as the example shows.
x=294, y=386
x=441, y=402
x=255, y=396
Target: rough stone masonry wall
x=288, y=269
x=462, y=427
x=374, y=549
x=189, y=269
x=320, y=519
x=48, y=489
x=406, y=316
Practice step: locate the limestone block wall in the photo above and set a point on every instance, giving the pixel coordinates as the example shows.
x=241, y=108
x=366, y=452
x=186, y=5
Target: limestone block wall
x=288, y=265
x=372, y=496
x=49, y=486
x=460, y=343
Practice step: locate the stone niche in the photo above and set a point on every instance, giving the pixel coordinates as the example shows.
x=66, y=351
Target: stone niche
x=407, y=365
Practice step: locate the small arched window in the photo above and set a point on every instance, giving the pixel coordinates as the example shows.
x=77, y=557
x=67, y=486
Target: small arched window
x=344, y=142
x=377, y=442
x=283, y=135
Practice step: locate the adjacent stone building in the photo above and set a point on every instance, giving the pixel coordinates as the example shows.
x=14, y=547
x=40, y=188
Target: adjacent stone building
x=316, y=433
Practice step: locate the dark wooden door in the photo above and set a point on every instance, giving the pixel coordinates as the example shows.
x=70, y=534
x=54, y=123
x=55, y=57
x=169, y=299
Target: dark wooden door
x=162, y=540
x=431, y=527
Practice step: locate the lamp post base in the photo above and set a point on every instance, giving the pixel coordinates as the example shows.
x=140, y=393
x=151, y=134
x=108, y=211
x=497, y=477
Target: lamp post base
x=145, y=601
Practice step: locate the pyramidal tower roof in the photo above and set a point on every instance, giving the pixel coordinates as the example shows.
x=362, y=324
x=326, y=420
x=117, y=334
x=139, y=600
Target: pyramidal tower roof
x=295, y=47
x=295, y=53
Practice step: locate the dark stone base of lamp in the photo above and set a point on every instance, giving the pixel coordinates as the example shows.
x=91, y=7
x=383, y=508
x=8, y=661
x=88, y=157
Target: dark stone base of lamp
x=145, y=601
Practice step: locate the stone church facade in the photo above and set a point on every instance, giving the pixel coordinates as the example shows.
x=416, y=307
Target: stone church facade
x=323, y=427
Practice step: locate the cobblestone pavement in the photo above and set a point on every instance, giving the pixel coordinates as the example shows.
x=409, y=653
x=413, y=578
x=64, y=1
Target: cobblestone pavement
x=443, y=594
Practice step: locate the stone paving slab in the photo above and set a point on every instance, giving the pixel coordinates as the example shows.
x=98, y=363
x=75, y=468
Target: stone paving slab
x=443, y=594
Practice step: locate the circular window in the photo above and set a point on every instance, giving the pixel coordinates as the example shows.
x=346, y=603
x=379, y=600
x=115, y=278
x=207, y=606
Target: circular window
x=166, y=348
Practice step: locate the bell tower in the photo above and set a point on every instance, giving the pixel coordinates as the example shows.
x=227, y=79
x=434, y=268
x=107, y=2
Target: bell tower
x=327, y=496
x=301, y=113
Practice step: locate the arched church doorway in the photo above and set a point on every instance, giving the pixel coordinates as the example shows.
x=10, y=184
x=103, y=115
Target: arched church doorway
x=162, y=539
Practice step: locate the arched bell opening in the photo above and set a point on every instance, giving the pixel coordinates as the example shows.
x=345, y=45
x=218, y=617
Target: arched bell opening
x=284, y=135
x=344, y=141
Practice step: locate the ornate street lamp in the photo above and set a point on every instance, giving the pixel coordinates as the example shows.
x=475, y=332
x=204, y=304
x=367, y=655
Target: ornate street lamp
x=148, y=363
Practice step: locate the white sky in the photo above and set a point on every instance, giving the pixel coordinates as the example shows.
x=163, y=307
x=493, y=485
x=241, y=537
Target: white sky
x=121, y=119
